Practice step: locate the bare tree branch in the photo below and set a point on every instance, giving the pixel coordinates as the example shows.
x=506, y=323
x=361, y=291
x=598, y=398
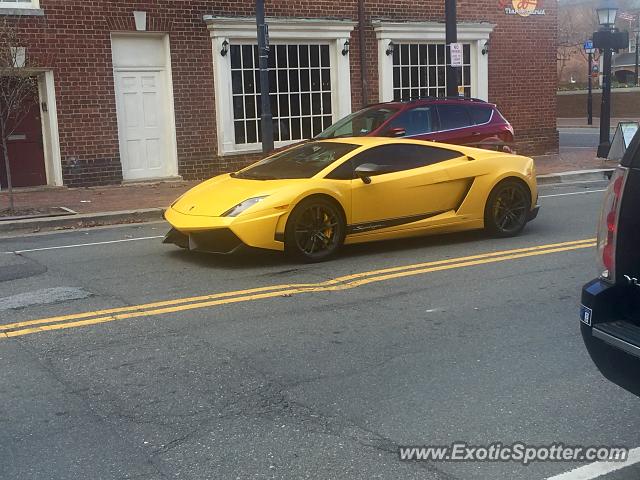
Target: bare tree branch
x=18, y=90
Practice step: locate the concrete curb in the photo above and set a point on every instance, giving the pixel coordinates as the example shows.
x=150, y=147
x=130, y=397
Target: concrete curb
x=84, y=220
x=576, y=176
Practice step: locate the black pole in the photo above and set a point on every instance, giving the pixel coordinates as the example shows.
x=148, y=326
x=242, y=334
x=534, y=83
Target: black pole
x=364, y=66
x=605, y=107
x=637, y=41
x=266, y=122
x=589, y=91
x=451, y=36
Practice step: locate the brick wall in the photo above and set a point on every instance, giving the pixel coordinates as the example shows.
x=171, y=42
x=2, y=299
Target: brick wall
x=73, y=39
x=624, y=103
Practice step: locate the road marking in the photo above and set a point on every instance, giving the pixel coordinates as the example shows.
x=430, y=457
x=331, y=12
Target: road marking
x=200, y=298
x=572, y=193
x=336, y=284
x=598, y=469
x=58, y=247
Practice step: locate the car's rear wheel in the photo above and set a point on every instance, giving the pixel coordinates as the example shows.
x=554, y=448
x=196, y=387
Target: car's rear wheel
x=315, y=230
x=507, y=209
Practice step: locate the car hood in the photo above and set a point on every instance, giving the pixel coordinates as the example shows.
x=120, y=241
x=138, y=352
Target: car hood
x=214, y=197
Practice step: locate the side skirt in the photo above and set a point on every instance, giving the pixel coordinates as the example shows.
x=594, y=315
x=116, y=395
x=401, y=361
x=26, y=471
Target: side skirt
x=391, y=222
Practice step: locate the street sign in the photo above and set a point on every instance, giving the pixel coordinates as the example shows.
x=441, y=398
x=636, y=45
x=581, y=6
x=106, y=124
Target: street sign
x=588, y=46
x=456, y=54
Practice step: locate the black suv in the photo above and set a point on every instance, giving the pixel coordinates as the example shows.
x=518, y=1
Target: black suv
x=610, y=311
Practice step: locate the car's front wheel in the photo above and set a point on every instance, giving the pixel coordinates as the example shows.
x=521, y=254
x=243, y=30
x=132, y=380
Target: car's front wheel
x=507, y=209
x=315, y=230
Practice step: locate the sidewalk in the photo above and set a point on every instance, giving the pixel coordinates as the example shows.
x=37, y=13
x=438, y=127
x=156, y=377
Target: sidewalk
x=570, y=160
x=100, y=199
x=145, y=202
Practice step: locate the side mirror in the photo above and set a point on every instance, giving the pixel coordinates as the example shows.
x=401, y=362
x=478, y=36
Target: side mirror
x=367, y=170
x=395, y=132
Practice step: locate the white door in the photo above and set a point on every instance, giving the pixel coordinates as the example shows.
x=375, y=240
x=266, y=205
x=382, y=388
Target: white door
x=142, y=118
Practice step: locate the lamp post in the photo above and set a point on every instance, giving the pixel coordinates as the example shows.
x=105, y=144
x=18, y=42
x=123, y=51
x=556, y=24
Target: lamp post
x=637, y=32
x=588, y=48
x=606, y=18
x=451, y=36
x=266, y=121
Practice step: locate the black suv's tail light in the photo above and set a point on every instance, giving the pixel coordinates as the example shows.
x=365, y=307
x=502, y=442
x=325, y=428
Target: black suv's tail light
x=608, y=226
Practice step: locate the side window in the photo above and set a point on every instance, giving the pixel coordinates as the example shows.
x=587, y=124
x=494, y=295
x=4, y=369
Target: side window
x=480, y=115
x=416, y=121
x=342, y=172
x=453, y=116
x=397, y=157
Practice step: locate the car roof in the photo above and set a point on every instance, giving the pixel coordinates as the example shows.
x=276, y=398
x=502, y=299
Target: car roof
x=401, y=104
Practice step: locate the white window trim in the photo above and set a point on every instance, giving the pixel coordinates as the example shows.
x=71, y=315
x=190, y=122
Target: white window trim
x=281, y=30
x=432, y=32
x=26, y=4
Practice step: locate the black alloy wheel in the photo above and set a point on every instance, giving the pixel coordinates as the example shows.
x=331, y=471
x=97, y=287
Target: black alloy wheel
x=507, y=209
x=315, y=230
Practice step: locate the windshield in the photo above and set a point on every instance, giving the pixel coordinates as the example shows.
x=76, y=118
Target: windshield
x=360, y=123
x=303, y=161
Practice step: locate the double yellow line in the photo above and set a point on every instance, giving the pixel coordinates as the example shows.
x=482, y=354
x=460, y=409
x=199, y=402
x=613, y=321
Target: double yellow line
x=339, y=283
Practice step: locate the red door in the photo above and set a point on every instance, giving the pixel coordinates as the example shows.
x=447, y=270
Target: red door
x=26, y=152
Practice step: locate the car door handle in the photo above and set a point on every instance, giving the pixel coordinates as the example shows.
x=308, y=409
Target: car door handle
x=475, y=134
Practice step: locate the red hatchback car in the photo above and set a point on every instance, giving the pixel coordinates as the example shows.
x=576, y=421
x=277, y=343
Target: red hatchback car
x=462, y=121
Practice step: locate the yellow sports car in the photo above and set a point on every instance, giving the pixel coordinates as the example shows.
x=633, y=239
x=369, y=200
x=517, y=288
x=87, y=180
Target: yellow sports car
x=314, y=197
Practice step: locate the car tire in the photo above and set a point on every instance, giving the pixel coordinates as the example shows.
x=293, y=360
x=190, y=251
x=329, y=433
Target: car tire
x=315, y=230
x=507, y=209
x=616, y=366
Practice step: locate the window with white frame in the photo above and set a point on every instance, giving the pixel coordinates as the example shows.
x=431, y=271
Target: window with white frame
x=412, y=59
x=19, y=3
x=309, y=79
x=299, y=90
x=419, y=70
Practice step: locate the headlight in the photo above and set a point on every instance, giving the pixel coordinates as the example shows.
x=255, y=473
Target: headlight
x=242, y=206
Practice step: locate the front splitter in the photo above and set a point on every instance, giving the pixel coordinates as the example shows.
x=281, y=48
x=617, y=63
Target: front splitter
x=219, y=240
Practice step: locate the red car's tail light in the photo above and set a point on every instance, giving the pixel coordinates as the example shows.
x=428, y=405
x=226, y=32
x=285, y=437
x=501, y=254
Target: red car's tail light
x=608, y=226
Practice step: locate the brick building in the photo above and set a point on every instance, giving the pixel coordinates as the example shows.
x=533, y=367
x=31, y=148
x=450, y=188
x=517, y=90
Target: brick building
x=134, y=90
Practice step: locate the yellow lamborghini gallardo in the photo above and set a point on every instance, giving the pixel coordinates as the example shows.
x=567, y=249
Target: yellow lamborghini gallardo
x=314, y=197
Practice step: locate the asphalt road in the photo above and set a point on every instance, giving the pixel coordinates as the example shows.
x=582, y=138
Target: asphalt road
x=583, y=137
x=324, y=381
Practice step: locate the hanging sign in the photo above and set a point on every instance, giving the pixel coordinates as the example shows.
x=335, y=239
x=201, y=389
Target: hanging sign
x=524, y=8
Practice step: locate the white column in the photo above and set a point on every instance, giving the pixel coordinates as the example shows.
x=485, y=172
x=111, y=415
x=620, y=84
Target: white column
x=54, y=170
x=481, y=75
x=341, y=81
x=385, y=71
x=224, y=97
